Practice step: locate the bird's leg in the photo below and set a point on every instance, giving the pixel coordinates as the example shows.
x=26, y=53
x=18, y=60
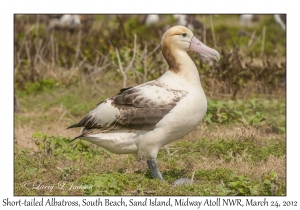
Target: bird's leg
x=153, y=166
x=151, y=169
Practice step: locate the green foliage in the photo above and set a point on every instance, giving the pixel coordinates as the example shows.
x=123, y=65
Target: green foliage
x=242, y=185
x=79, y=164
x=212, y=175
x=65, y=172
x=238, y=185
x=62, y=147
x=132, y=26
x=268, y=184
x=101, y=185
x=252, y=112
x=89, y=48
x=228, y=149
x=78, y=102
x=43, y=85
x=31, y=170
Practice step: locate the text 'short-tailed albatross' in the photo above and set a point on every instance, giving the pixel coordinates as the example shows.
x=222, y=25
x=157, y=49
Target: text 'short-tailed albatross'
x=143, y=118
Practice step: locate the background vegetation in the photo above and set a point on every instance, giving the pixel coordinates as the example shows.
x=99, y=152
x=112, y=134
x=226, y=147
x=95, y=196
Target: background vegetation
x=61, y=74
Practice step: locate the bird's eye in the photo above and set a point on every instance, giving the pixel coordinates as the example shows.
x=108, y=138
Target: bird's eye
x=184, y=34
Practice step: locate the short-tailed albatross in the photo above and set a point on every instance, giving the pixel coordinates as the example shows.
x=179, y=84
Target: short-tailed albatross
x=141, y=119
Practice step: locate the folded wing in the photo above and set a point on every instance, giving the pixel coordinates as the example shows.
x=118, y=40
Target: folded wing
x=138, y=108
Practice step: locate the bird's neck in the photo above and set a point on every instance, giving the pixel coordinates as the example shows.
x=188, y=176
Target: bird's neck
x=181, y=64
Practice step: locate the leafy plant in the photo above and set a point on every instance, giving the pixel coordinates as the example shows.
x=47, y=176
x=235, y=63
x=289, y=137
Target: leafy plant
x=253, y=112
x=238, y=185
x=65, y=172
x=268, y=185
x=42, y=85
x=101, y=185
x=242, y=185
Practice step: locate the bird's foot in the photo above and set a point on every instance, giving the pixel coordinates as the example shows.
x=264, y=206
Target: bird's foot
x=183, y=181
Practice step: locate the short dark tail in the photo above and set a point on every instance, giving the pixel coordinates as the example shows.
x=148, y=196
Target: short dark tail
x=72, y=140
x=74, y=126
x=77, y=137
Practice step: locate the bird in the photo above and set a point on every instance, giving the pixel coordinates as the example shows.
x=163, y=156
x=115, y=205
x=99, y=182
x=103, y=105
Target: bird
x=190, y=22
x=247, y=19
x=281, y=20
x=141, y=119
x=66, y=21
x=182, y=20
x=151, y=19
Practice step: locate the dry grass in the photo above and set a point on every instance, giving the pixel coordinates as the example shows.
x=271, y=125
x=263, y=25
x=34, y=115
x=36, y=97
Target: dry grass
x=237, y=163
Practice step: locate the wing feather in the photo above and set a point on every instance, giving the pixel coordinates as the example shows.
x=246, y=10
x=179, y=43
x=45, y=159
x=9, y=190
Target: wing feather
x=139, y=108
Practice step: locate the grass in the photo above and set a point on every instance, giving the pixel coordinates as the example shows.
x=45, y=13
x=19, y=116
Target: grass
x=217, y=153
